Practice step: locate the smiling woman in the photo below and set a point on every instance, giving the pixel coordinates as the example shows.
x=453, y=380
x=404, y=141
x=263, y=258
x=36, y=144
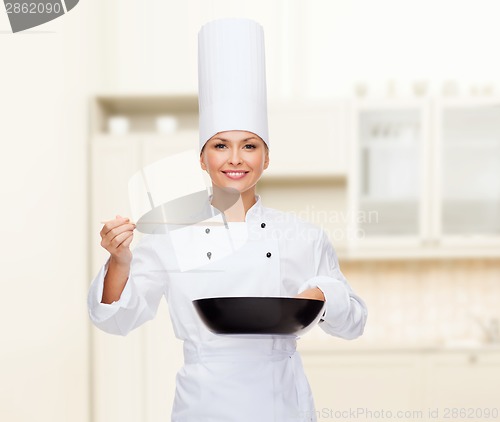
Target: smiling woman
x=235, y=159
x=229, y=378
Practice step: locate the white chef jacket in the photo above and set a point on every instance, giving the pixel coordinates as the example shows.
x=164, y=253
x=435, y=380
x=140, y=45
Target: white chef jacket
x=234, y=378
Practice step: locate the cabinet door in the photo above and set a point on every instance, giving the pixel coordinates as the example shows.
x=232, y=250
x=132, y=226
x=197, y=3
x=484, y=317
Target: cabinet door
x=468, y=172
x=133, y=376
x=362, y=382
x=388, y=179
x=117, y=362
x=463, y=381
x=163, y=355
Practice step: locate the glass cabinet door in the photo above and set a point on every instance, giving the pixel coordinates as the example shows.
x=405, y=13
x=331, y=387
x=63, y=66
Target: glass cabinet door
x=470, y=170
x=390, y=172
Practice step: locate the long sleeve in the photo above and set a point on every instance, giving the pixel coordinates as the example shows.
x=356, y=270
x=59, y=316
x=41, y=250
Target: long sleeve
x=140, y=297
x=345, y=312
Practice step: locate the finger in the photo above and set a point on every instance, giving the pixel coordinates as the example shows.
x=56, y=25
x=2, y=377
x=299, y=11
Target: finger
x=109, y=238
x=111, y=224
x=123, y=218
x=116, y=229
x=118, y=240
x=126, y=243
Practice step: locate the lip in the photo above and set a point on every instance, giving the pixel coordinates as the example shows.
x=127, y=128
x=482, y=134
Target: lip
x=235, y=175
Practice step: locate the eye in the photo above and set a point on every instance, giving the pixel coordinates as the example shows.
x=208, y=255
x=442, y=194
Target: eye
x=250, y=146
x=219, y=145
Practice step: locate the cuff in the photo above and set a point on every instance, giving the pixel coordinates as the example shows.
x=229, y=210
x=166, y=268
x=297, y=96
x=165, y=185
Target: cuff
x=102, y=311
x=337, y=299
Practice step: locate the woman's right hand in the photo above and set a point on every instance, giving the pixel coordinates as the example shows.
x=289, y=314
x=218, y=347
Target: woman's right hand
x=117, y=235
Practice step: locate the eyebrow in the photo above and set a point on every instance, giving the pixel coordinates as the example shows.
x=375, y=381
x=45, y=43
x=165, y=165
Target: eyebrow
x=228, y=140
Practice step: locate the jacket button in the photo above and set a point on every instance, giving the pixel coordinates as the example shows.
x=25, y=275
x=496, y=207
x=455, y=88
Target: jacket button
x=268, y=254
x=207, y=231
x=263, y=225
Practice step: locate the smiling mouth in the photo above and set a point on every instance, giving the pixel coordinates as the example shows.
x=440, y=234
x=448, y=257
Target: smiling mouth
x=235, y=174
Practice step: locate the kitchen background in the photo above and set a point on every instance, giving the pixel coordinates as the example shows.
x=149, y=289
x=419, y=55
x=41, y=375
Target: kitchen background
x=385, y=130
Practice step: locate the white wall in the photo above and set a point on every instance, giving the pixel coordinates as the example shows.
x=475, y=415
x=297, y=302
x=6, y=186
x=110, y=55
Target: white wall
x=45, y=78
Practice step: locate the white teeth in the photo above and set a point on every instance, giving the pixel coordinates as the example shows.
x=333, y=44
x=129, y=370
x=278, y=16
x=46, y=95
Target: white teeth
x=235, y=174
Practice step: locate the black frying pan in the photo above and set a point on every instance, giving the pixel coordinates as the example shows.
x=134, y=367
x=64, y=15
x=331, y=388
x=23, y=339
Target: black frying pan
x=259, y=315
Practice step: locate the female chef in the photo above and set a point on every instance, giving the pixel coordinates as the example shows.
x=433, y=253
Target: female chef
x=228, y=378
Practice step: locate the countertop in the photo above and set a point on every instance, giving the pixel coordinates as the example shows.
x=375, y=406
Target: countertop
x=336, y=345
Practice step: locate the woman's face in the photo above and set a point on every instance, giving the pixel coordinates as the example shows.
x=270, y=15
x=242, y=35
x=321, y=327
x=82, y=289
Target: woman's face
x=235, y=159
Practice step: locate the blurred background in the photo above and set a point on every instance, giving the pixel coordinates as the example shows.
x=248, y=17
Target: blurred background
x=384, y=129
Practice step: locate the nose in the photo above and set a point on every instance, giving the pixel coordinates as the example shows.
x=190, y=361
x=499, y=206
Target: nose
x=235, y=157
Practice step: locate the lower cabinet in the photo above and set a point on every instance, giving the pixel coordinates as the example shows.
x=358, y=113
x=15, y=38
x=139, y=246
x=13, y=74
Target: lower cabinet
x=469, y=381
x=406, y=385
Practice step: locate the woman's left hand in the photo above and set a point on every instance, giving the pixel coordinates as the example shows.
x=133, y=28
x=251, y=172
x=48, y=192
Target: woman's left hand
x=314, y=293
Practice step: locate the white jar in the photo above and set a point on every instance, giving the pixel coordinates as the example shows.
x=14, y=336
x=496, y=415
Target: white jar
x=118, y=125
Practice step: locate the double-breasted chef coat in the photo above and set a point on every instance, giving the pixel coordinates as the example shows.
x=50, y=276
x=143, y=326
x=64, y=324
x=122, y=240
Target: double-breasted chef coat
x=234, y=378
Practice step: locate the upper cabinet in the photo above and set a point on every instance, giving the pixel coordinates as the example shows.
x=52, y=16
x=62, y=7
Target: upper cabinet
x=388, y=167
x=467, y=164
x=425, y=174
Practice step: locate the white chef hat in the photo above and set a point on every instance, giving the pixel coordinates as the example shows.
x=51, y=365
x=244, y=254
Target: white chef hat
x=232, y=78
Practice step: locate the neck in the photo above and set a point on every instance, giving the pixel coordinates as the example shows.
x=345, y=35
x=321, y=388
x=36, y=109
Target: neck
x=232, y=204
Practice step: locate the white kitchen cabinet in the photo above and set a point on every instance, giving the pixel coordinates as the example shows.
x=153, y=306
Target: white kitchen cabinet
x=408, y=384
x=387, y=179
x=117, y=370
x=117, y=364
x=467, y=381
x=363, y=382
x=425, y=176
x=133, y=376
x=467, y=165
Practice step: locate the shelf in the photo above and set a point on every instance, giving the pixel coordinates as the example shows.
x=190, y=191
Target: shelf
x=312, y=347
x=150, y=104
x=385, y=105
x=417, y=254
x=141, y=111
x=306, y=177
x=148, y=135
x=472, y=143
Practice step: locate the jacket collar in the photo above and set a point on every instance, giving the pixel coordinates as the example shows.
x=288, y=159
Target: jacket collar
x=253, y=213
